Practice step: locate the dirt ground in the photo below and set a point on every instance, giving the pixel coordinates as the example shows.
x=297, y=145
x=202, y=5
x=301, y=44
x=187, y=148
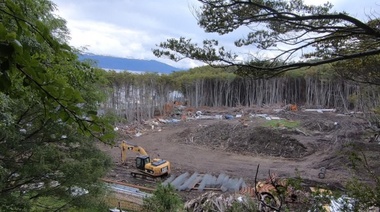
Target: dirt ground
x=236, y=148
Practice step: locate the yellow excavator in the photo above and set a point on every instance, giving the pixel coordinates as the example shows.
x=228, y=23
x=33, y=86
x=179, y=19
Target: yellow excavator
x=144, y=164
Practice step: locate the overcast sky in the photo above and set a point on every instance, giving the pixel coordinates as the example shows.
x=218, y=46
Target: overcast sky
x=132, y=28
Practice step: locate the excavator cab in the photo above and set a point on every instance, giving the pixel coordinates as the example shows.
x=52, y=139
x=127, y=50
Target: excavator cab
x=141, y=161
x=147, y=167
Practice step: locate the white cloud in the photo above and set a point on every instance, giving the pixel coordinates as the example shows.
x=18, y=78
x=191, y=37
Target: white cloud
x=361, y=9
x=108, y=39
x=128, y=28
x=131, y=28
x=104, y=38
x=319, y=2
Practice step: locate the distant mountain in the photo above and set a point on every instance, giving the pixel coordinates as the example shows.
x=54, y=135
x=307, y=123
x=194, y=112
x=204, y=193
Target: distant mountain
x=126, y=64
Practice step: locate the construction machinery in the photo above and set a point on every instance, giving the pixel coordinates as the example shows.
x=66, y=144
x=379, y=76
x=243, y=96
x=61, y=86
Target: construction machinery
x=146, y=166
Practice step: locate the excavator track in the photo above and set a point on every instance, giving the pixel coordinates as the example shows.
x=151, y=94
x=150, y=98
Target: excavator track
x=149, y=168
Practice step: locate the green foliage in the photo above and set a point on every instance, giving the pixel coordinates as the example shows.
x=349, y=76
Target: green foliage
x=247, y=205
x=126, y=78
x=310, y=35
x=35, y=56
x=324, y=71
x=295, y=182
x=282, y=123
x=52, y=155
x=366, y=190
x=365, y=194
x=164, y=199
x=319, y=199
x=364, y=70
x=48, y=106
x=175, y=81
x=86, y=204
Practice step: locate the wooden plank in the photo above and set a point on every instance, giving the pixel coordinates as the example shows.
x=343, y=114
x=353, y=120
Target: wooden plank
x=317, y=110
x=130, y=185
x=209, y=189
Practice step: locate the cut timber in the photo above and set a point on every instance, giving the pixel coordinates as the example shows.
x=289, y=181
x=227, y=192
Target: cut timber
x=317, y=110
x=208, y=189
x=200, y=182
x=300, y=131
x=127, y=184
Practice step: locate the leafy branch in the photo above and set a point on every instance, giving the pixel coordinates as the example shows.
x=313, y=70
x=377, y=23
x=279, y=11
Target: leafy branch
x=311, y=33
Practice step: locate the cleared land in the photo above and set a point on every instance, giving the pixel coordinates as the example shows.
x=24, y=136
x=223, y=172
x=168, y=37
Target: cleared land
x=313, y=140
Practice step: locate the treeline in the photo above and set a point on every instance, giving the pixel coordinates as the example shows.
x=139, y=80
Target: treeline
x=139, y=96
x=142, y=96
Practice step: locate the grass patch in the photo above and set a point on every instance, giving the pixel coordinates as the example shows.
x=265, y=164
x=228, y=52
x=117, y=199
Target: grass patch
x=116, y=200
x=44, y=203
x=281, y=123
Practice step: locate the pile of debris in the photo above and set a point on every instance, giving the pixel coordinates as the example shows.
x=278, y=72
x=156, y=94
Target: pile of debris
x=242, y=139
x=213, y=201
x=136, y=129
x=200, y=182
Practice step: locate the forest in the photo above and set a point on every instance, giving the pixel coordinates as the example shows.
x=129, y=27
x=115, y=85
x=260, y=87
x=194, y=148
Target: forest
x=143, y=96
x=51, y=125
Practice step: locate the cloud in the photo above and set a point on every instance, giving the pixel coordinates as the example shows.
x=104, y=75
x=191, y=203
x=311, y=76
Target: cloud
x=108, y=39
x=131, y=28
x=318, y=2
x=362, y=9
x=104, y=38
x=128, y=28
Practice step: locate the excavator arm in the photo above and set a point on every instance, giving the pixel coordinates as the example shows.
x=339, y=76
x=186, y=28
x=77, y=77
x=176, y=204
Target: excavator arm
x=124, y=146
x=144, y=164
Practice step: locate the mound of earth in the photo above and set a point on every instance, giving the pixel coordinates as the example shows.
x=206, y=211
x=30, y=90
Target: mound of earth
x=241, y=139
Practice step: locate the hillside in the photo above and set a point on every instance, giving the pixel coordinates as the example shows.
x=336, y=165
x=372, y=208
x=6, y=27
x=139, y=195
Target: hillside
x=118, y=63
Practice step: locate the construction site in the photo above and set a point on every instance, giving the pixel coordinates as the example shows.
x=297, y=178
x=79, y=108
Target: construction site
x=227, y=151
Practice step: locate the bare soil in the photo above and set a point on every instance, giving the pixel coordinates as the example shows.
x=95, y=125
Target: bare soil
x=227, y=146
